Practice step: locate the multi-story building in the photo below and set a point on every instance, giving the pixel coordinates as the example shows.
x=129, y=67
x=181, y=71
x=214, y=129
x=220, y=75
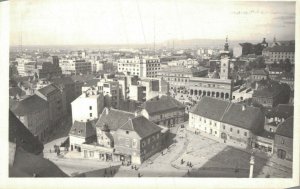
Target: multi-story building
x=140, y=66
x=33, y=112
x=75, y=67
x=21, y=65
x=163, y=110
x=279, y=53
x=283, y=143
x=180, y=76
x=278, y=115
x=123, y=136
x=87, y=106
x=224, y=121
x=53, y=96
x=287, y=78
x=111, y=92
x=136, y=143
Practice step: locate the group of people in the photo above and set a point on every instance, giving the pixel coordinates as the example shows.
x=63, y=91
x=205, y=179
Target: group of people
x=188, y=163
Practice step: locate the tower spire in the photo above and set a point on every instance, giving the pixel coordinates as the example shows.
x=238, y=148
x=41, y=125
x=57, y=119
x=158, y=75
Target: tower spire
x=226, y=47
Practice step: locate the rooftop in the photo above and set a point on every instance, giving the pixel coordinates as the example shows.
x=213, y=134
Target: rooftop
x=47, y=90
x=83, y=129
x=29, y=105
x=113, y=118
x=239, y=115
x=141, y=125
x=162, y=104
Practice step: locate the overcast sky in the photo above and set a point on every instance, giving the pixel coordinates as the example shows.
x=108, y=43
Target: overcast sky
x=84, y=22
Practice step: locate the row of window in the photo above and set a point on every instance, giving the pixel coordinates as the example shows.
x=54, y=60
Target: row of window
x=237, y=131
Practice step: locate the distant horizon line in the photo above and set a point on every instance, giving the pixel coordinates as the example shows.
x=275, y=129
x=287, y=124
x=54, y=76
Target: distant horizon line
x=146, y=44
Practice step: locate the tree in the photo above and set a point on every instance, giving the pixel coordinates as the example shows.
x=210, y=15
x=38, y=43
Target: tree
x=287, y=65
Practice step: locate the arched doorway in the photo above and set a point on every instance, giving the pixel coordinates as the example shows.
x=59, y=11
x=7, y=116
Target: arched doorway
x=217, y=94
x=204, y=93
x=213, y=94
x=191, y=92
x=222, y=95
x=200, y=92
x=196, y=92
x=208, y=93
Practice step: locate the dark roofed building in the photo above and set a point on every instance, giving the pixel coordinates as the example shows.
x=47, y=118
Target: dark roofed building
x=82, y=132
x=225, y=121
x=138, y=139
x=24, y=153
x=113, y=118
x=53, y=95
x=210, y=108
x=283, y=142
x=142, y=126
x=33, y=112
x=278, y=53
x=163, y=110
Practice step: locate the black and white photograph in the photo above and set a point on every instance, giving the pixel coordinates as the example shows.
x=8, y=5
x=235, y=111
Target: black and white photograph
x=139, y=89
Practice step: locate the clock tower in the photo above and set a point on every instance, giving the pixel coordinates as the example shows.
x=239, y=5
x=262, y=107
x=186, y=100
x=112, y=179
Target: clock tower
x=225, y=55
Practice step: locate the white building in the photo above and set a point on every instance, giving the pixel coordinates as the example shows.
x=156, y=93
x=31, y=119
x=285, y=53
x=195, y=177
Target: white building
x=87, y=106
x=21, y=65
x=141, y=66
x=75, y=67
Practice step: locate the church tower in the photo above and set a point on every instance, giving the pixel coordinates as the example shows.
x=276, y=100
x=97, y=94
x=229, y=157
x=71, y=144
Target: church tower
x=224, y=68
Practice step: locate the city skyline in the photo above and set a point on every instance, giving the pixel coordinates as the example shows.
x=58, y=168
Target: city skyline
x=142, y=22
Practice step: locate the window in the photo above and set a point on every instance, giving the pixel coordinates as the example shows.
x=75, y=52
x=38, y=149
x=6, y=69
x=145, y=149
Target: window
x=282, y=141
x=209, y=122
x=238, y=131
x=90, y=107
x=215, y=124
x=127, y=132
x=91, y=115
x=245, y=133
x=204, y=120
x=91, y=154
x=230, y=129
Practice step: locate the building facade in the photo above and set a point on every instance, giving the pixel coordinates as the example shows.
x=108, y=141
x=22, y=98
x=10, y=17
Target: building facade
x=87, y=106
x=180, y=76
x=139, y=66
x=224, y=121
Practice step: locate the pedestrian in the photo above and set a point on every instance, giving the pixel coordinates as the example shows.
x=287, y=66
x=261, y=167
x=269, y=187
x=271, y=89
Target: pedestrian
x=191, y=164
x=139, y=174
x=111, y=172
x=187, y=163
